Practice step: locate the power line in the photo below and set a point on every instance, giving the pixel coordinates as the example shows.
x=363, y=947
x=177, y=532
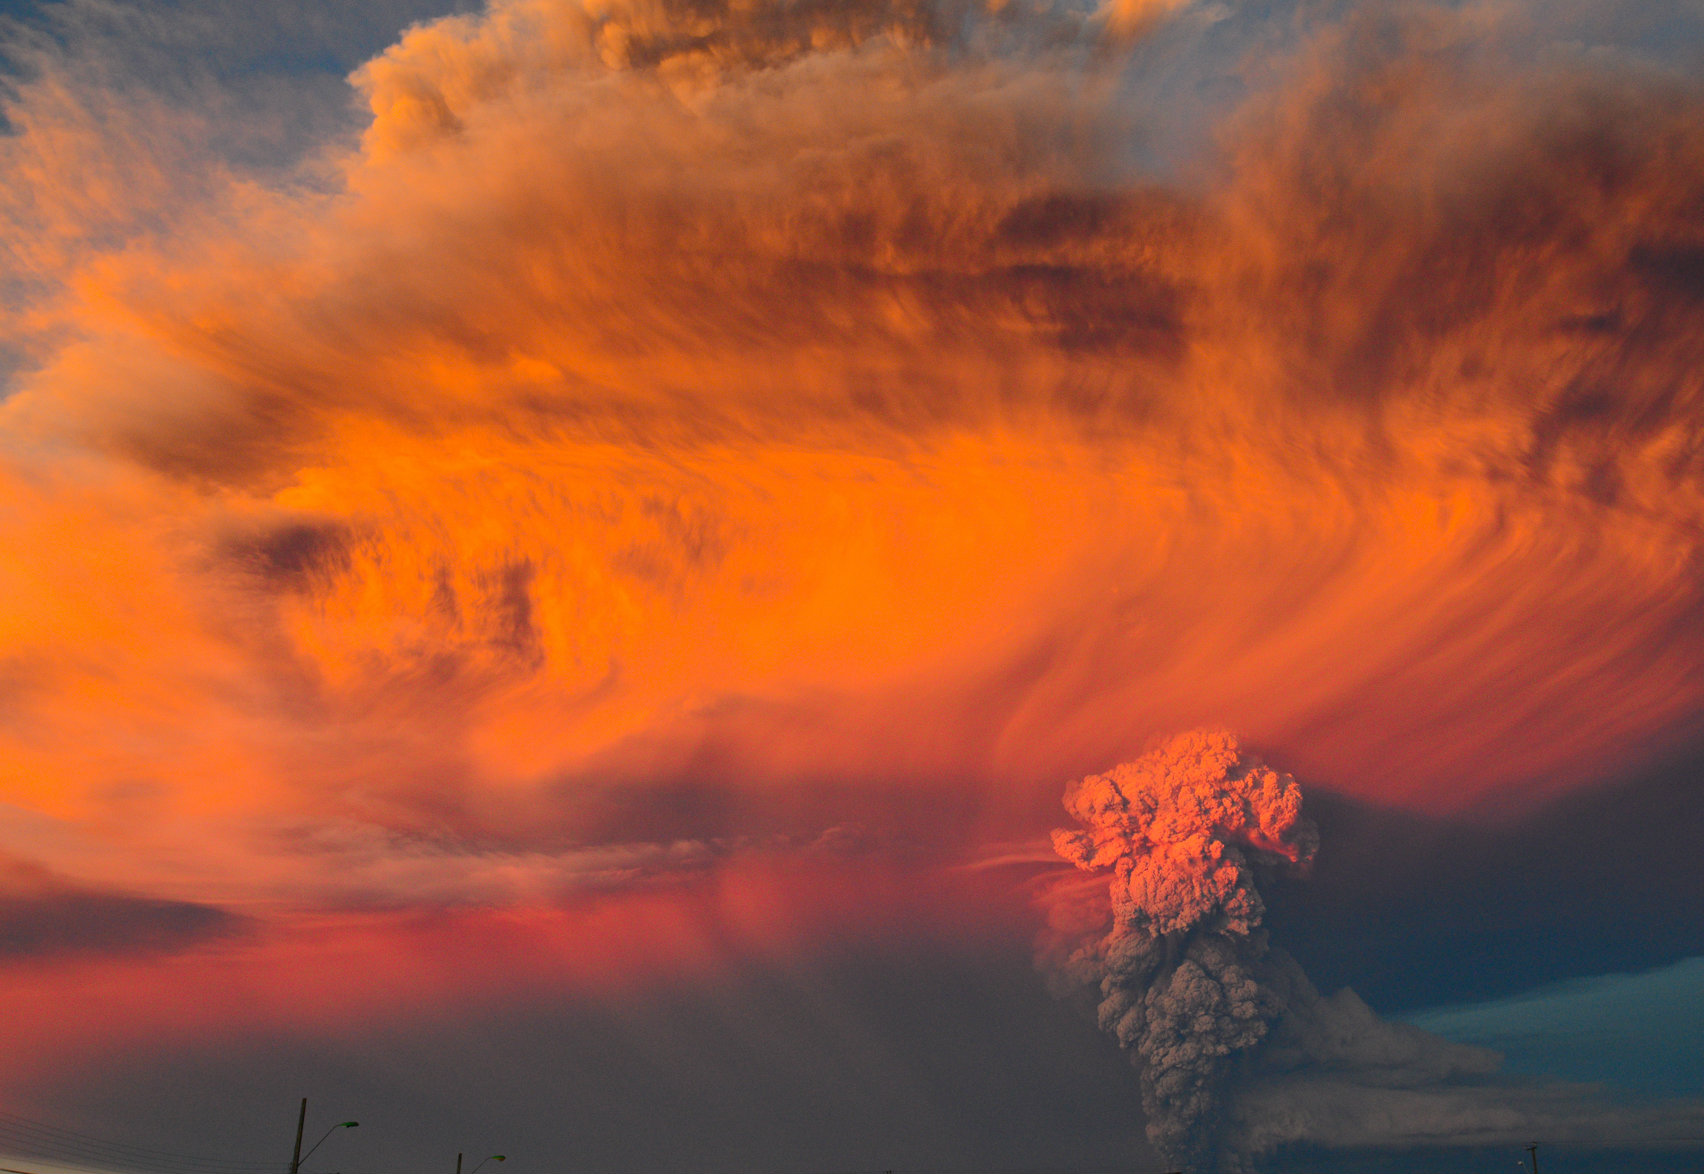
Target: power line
x=24, y=1124
x=39, y=1139
x=49, y=1146
x=38, y=1131
x=106, y=1159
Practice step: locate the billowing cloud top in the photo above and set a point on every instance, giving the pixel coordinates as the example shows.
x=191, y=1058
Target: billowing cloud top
x=1172, y=824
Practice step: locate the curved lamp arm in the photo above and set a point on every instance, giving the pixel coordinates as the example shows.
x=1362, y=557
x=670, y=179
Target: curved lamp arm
x=328, y=1133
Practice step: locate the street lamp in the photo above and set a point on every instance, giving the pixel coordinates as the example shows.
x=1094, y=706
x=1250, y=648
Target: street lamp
x=482, y=1161
x=297, y=1158
x=328, y=1133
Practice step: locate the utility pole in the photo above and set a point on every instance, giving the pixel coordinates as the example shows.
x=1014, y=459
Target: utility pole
x=1532, y=1152
x=458, y=1164
x=296, y=1155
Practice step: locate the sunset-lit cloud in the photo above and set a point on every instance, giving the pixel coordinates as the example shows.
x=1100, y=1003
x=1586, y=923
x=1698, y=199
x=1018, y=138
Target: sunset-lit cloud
x=634, y=399
x=652, y=436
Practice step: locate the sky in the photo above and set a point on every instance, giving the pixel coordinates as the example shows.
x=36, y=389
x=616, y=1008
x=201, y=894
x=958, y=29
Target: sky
x=563, y=559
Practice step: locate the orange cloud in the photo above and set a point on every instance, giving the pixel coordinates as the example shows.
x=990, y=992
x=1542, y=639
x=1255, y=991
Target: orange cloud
x=735, y=408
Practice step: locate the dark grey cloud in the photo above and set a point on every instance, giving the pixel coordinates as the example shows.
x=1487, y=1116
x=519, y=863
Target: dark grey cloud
x=74, y=921
x=1415, y=911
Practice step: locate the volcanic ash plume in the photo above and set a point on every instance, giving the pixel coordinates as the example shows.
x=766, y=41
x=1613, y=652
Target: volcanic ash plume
x=1238, y=1053
x=1181, y=972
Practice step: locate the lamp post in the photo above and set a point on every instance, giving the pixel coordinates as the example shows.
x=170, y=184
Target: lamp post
x=492, y=1158
x=297, y=1157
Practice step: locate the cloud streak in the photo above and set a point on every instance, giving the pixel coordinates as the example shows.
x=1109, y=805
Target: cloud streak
x=42, y=916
